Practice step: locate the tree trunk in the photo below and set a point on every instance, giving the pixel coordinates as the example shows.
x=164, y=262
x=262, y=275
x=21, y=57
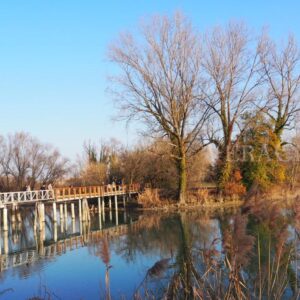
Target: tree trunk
x=182, y=173
x=225, y=168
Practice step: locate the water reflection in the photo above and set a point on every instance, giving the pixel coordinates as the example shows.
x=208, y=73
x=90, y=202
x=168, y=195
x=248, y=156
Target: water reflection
x=250, y=253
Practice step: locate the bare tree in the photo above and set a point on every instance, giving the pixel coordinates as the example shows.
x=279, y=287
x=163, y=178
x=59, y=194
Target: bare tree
x=4, y=164
x=232, y=70
x=281, y=65
x=160, y=84
x=55, y=167
x=25, y=160
x=19, y=146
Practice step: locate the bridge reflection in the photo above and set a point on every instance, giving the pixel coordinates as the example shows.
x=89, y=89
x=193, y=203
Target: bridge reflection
x=26, y=242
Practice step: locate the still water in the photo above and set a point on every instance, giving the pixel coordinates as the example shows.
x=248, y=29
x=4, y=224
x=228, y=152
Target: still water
x=249, y=253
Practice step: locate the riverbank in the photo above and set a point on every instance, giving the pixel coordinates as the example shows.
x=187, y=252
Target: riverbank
x=149, y=200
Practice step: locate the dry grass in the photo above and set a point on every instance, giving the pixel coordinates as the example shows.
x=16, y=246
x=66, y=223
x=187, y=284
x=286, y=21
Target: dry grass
x=151, y=198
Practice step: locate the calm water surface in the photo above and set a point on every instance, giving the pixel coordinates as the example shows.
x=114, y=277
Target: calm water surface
x=234, y=254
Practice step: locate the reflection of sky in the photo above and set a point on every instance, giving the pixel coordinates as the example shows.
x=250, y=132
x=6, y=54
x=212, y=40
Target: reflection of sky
x=80, y=275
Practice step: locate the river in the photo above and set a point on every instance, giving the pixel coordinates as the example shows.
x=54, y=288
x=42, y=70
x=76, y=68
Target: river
x=249, y=253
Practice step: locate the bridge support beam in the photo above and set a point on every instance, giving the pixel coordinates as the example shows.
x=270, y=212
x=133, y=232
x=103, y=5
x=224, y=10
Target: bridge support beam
x=99, y=205
x=100, y=220
x=79, y=209
x=41, y=214
x=5, y=220
x=13, y=214
x=103, y=209
x=5, y=242
x=54, y=212
x=125, y=216
x=116, y=210
x=83, y=215
x=61, y=211
x=73, y=225
x=55, y=232
x=116, y=202
x=72, y=211
x=19, y=219
x=66, y=211
x=61, y=225
x=85, y=210
x=109, y=203
x=117, y=218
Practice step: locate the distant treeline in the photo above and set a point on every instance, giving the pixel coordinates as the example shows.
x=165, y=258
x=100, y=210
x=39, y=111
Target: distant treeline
x=24, y=160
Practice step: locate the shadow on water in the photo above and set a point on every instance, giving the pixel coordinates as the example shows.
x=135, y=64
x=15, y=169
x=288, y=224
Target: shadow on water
x=247, y=254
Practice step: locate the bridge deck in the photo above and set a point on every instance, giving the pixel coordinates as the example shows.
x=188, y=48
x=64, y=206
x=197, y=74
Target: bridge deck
x=66, y=194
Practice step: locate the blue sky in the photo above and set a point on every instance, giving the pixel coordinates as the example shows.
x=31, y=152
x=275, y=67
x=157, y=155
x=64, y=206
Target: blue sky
x=53, y=67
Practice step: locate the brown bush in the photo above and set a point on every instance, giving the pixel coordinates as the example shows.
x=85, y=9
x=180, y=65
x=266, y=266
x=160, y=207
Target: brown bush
x=234, y=189
x=151, y=198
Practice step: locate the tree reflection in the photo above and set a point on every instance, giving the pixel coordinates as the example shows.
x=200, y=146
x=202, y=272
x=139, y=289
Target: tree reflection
x=250, y=254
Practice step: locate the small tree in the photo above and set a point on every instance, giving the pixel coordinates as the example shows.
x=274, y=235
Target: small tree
x=262, y=163
x=160, y=84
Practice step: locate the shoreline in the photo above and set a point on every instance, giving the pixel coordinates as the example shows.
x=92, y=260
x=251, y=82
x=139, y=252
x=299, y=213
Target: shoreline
x=286, y=198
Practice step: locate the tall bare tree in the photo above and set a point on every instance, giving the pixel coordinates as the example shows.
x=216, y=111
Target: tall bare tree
x=232, y=71
x=159, y=83
x=281, y=65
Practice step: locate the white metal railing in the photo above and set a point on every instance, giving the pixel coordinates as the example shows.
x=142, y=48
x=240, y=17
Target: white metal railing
x=15, y=197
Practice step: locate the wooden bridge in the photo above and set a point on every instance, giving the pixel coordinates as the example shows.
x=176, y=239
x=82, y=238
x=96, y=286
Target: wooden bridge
x=64, y=196
x=67, y=193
